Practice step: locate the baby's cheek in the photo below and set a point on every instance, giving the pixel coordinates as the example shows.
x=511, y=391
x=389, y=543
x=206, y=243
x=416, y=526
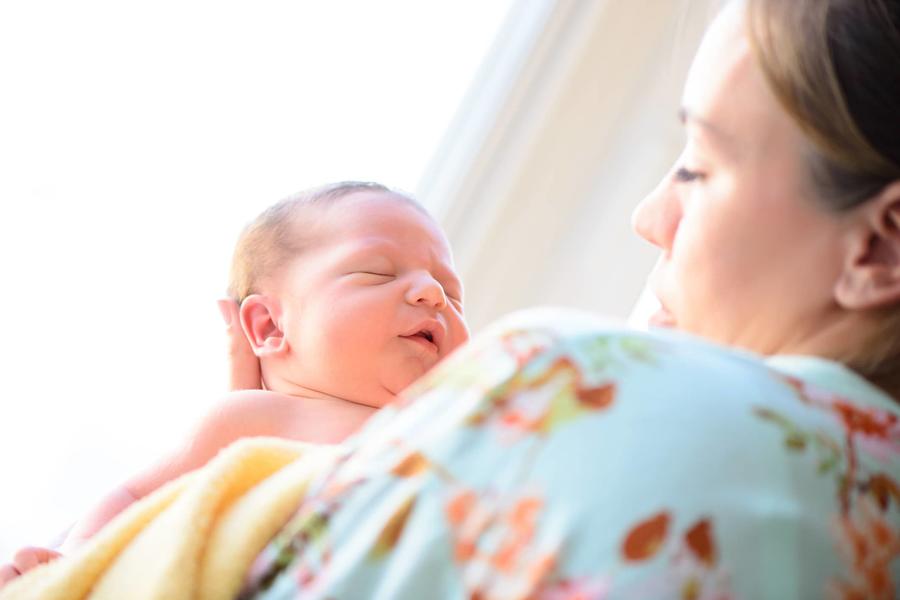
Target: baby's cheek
x=459, y=336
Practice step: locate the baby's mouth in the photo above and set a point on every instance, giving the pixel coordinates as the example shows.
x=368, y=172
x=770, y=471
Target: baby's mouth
x=424, y=338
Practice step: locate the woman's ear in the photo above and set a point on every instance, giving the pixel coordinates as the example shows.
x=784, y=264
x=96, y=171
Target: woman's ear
x=871, y=275
x=259, y=319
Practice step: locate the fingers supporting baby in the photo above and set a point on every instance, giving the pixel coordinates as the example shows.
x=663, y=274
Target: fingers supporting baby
x=25, y=560
x=7, y=574
x=243, y=366
x=29, y=557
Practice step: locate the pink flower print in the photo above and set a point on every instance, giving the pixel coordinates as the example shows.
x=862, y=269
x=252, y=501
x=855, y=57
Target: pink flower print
x=584, y=588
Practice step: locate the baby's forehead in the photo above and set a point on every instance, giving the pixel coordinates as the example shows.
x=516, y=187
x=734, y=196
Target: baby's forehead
x=391, y=217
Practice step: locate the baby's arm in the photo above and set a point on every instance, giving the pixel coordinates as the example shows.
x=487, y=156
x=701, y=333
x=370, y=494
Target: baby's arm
x=240, y=414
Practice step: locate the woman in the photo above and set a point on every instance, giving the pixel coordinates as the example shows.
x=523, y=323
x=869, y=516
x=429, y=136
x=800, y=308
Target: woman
x=557, y=457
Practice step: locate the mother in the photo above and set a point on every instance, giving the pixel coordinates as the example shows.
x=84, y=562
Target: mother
x=555, y=456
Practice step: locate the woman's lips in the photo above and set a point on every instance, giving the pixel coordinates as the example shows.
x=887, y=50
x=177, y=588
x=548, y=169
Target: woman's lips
x=662, y=318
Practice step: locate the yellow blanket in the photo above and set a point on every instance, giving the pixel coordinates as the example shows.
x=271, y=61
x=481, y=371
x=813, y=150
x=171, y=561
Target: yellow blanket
x=195, y=537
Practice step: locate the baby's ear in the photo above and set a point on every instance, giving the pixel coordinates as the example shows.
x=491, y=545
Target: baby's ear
x=259, y=319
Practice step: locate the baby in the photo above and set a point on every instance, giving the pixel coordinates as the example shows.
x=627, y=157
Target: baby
x=347, y=294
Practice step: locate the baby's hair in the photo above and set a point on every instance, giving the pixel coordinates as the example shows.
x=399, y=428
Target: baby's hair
x=280, y=233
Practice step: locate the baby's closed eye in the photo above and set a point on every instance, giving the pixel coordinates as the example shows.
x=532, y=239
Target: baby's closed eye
x=374, y=274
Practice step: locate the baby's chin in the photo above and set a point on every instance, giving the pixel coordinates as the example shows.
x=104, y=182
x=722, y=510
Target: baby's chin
x=397, y=381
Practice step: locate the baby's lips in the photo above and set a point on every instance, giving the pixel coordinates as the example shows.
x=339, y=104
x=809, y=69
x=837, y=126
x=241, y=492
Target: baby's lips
x=434, y=327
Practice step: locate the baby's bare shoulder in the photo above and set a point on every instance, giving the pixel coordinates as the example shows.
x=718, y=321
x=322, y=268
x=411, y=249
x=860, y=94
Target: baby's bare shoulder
x=250, y=412
x=247, y=413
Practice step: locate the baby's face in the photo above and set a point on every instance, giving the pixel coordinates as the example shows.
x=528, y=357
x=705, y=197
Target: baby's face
x=373, y=304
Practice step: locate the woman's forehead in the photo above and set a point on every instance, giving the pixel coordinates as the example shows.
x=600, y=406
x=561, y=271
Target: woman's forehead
x=721, y=71
x=726, y=93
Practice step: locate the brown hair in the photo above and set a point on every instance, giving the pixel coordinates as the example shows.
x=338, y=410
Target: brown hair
x=834, y=66
x=280, y=233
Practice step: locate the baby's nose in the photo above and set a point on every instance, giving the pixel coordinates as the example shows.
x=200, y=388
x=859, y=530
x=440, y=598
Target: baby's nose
x=425, y=290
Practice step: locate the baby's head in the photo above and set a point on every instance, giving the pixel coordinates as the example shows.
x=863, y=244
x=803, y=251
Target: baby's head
x=347, y=291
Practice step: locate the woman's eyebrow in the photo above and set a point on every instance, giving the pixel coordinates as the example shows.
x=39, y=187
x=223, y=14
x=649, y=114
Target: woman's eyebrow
x=720, y=139
x=686, y=116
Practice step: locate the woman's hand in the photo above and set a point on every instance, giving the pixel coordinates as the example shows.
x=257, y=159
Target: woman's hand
x=26, y=559
x=243, y=366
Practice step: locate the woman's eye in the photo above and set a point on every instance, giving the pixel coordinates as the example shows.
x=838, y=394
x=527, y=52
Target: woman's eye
x=376, y=274
x=683, y=175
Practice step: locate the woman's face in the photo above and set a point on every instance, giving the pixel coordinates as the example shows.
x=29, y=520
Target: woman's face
x=748, y=256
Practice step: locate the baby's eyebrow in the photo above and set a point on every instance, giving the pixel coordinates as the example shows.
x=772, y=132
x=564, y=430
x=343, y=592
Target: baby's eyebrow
x=370, y=249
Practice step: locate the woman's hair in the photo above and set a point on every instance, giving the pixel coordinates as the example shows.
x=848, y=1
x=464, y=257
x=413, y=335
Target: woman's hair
x=284, y=230
x=834, y=65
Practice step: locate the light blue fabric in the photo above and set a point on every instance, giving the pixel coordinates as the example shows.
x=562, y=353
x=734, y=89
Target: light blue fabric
x=557, y=455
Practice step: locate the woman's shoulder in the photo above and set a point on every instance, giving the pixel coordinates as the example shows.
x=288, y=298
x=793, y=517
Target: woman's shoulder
x=672, y=363
x=657, y=362
x=665, y=383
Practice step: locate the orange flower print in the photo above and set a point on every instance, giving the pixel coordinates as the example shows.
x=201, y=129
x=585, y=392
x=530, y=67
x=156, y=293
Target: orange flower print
x=691, y=560
x=480, y=366
x=496, y=546
x=884, y=490
x=866, y=421
x=540, y=402
x=869, y=542
x=411, y=465
x=521, y=525
x=699, y=540
x=647, y=537
x=468, y=520
x=596, y=398
x=875, y=431
x=525, y=345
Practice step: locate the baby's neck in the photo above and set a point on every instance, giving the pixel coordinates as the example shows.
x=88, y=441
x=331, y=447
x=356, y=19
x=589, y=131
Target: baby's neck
x=287, y=387
x=312, y=418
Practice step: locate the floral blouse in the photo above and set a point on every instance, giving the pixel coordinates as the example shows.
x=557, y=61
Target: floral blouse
x=557, y=457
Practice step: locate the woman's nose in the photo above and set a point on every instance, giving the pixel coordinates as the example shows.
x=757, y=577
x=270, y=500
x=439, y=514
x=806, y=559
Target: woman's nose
x=656, y=218
x=424, y=289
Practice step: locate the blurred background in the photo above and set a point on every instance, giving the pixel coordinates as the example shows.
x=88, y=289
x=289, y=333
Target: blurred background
x=136, y=139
